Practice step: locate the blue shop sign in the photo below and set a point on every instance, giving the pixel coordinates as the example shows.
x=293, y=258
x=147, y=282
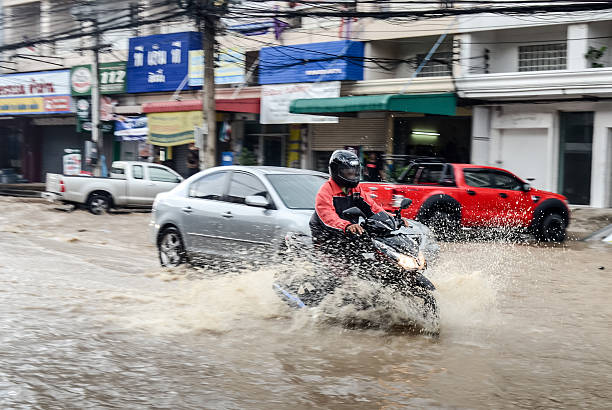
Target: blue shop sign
x=304, y=63
x=160, y=62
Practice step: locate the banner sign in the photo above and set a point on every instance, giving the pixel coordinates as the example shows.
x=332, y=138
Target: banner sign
x=131, y=128
x=315, y=62
x=229, y=67
x=71, y=161
x=173, y=128
x=44, y=92
x=111, y=78
x=83, y=111
x=275, y=101
x=160, y=62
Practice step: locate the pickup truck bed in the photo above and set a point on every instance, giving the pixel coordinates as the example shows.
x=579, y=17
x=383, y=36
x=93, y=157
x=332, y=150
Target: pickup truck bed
x=132, y=184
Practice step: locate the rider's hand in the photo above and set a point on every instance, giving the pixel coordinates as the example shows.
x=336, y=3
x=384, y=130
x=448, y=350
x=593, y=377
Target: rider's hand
x=355, y=229
x=406, y=221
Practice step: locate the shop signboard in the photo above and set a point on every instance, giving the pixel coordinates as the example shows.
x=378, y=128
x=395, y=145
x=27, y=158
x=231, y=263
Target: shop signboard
x=315, y=62
x=83, y=111
x=131, y=128
x=111, y=77
x=167, y=129
x=229, y=66
x=276, y=98
x=160, y=62
x=43, y=92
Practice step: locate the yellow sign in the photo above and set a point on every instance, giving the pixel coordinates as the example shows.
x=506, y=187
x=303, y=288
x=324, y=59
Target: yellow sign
x=167, y=129
x=22, y=105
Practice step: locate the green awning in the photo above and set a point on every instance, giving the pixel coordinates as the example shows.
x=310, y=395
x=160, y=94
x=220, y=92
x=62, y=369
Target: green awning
x=441, y=104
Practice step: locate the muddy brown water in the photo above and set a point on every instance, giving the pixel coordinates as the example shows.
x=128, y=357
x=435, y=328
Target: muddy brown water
x=89, y=319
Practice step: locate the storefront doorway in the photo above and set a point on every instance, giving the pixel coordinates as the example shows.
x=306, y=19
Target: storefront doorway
x=436, y=136
x=575, y=156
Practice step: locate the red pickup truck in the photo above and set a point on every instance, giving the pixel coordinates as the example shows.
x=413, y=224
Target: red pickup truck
x=447, y=197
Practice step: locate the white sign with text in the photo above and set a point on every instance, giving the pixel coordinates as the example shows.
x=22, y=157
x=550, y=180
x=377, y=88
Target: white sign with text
x=276, y=98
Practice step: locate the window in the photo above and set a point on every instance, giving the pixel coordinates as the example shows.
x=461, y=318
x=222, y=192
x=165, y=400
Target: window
x=161, y=175
x=209, y=186
x=431, y=174
x=297, y=191
x=244, y=185
x=439, y=65
x=503, y=180
x=117, y=171
x=137, y=171
x=478, y=178
x=543, y=57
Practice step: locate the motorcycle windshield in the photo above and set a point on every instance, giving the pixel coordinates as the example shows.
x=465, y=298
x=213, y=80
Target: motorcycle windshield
x=382, y=221
x=401, y=244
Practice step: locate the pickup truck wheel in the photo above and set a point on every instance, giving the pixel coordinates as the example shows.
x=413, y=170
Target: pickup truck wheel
x=552, y=229
x=98, y=204
x=171, y=249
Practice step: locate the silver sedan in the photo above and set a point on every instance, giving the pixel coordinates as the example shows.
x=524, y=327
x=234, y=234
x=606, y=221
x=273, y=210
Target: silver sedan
x=232, y=212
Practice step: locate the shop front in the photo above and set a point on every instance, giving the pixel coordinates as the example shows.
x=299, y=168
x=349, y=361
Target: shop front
x=394, y=127
x=35, y=117
x=306, y=71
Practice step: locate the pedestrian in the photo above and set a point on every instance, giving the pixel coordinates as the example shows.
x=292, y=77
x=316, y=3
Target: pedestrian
x=374, y=170
x=193, y=160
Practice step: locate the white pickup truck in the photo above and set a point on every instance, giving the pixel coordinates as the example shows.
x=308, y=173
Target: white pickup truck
x=131, y=184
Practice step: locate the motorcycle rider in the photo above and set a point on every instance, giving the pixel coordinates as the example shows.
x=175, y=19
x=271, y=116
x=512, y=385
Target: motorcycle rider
x=341, y=192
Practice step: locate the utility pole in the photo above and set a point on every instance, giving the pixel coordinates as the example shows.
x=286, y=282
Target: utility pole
x=208, y=158
x=96, y=133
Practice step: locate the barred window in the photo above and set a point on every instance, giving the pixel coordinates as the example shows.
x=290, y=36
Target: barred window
x=439, y=65
x=543, y=57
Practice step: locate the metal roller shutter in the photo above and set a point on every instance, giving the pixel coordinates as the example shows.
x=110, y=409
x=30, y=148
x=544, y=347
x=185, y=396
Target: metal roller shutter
x=370, y=133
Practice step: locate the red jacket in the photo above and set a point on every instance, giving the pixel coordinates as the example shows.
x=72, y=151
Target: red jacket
x=332, y=201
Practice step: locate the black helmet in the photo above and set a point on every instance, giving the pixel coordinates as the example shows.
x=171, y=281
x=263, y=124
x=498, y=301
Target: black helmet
x=344, y=168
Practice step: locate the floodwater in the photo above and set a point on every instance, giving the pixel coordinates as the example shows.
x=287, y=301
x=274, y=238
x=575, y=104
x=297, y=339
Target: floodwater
x=89, y=319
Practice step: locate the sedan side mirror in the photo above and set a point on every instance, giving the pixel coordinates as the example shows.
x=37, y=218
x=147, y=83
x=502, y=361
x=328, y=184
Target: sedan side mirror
x=526, y=187
x=406, y=202
x=257, y=200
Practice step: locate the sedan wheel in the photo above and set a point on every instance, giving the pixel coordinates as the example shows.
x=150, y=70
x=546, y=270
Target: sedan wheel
x=171, y=249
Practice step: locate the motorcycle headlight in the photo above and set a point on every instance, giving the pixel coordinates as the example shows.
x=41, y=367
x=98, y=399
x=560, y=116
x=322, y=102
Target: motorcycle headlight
x=411, y=263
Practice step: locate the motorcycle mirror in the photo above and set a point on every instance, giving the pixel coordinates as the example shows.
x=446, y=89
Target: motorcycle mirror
x=406, y=202
x=353, y=212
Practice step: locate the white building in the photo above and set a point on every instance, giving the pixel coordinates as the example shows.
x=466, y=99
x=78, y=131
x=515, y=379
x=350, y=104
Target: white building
x=541, y=89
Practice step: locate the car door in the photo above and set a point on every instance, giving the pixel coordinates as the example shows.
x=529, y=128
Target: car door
x=138, y=187
x=479, y=198
x=201, y=218
x=515, y=206
x=160, y=180
x=247, y=228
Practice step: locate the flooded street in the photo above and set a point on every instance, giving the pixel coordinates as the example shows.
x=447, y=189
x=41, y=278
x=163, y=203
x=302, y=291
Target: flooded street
x=89, y=319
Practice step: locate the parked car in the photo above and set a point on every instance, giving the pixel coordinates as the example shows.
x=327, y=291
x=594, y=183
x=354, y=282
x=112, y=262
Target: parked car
x=131, y=184
x=448, y=196
x=238, y=213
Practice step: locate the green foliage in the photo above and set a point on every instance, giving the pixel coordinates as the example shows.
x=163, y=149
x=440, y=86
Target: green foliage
x=247, y=157
x=594, y=54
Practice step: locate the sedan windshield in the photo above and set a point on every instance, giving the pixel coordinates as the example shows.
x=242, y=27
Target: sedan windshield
x=298, y=191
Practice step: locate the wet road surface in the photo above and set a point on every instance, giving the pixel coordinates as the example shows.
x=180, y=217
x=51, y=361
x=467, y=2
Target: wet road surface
x=89, y=319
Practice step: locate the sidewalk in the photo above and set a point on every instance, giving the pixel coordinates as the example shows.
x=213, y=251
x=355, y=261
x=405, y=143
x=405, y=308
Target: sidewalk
x=586, y=220
x=31, y=190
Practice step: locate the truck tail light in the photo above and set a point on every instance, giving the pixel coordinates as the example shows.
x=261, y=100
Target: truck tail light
x=62, y=186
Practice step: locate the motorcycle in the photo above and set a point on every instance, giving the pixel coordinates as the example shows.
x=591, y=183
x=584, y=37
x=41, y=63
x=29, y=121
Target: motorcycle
x=387, y=260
